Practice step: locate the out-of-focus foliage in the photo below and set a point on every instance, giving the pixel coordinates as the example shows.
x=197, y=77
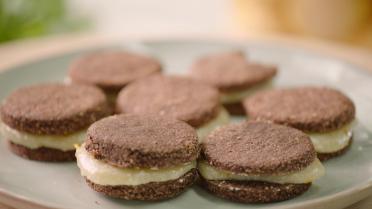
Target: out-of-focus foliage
x=29, y=18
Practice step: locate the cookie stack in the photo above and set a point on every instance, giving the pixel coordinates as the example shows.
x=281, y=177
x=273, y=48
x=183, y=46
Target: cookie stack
x=139, y=157
x=43, y=122
x=138, y=134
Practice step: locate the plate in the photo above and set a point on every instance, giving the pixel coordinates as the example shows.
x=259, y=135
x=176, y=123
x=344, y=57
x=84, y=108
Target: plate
x=59, y=185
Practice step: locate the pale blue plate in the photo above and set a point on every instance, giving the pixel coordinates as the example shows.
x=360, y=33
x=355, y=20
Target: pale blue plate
x=347, y=180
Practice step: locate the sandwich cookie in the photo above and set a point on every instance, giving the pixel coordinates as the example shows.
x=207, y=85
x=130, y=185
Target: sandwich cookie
x=182, y=98
x=258, y=162
x=111, y=71
x=138, y=157
x=43, y=122
x=325, y=114
x=234, y=77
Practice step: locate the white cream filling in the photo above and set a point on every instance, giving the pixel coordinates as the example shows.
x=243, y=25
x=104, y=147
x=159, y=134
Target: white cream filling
x=237, y=96
x=34, y=141
x=332, y=141
x=222, y=118
x=312, y=172
x=103, y=173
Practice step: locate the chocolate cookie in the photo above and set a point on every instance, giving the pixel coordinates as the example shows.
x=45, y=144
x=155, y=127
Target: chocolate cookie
x=254, y=191
x=231, y=71
x=315, y=110
x=54, y=110
x=131, y=141
x=173, y=96
x=255, y=150
x=234, y=76
x=113, y=70
x=312, y=109
x=121, y=145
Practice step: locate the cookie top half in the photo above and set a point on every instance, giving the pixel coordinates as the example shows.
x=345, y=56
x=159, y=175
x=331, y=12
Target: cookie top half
x=112, y=70
x=311, y=109
x=172, y=96
x=54, y=108
x=142, y=141
x=231, y=71
x=258, y=148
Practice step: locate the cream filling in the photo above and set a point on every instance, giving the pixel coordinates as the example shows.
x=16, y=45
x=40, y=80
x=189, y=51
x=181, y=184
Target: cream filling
x=34, y=141
x=332, y=141
x=103, y=173
x=222, y=118
x=312, y=172
x=237, y=96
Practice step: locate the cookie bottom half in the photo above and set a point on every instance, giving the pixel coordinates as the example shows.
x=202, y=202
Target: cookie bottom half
x=150, y=191
x=42, y=153
x=253, y=191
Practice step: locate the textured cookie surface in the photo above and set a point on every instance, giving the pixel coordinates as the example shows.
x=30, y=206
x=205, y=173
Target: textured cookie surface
x=53, y=108
x=149, y=192
x=142, y=141
x=112, y=70
x=42, y=154
x=231, y=71
x=178, y=97
x=313, y=109
x=258, y=148
x=253, y=191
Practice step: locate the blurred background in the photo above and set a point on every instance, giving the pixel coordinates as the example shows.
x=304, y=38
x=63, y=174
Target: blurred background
x=344, y=21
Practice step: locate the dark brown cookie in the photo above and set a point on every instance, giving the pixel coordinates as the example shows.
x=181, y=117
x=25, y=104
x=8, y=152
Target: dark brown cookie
x=54, y=109
x=310, y=109
x=231, y=71
x=173, y=96
x=235, y=108
x=152, y=191
x=254, y=191
x=327, y=156
x=111, y=71
x=258, y=148
x=42, y=154
x=142, y=141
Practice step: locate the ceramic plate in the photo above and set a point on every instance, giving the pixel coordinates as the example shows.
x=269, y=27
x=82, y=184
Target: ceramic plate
x=59, y=185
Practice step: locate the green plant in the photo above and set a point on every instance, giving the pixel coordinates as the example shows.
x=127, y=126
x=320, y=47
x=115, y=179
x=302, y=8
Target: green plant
x=30, y=18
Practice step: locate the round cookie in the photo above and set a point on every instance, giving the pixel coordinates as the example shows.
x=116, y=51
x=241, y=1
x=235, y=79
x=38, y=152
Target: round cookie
x=113, y=70
x=55, y=109
x=172, y=96
x=310, y=109
x=324, y=113
x=231, y=71
x=140, y=143
x=241, y=148
x=234, y=76
x=51, y=109
x=256, y=149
